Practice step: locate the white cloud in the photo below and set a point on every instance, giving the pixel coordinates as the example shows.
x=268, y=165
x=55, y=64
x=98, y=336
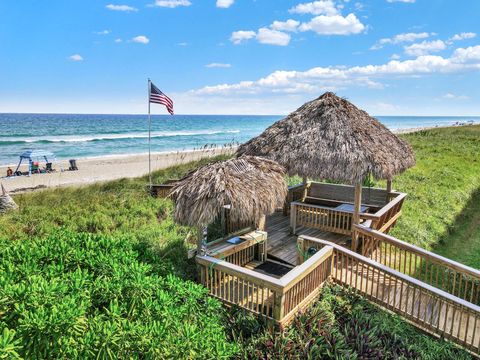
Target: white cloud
x=467, y=55
x=125, y=8
x=103, y=32
x=425, y=47
x=334, y=25
x=322, y=7
x=272, y=37
x=225, y=3
x=218, y=65
x=463, y=36
x=171, y=3
x=395, y=57
x=402, y=1
x=183, y=44
x=321, y=78
x=401, y=38
x=141, y=39
x=450, y=96
x=240, y=36
x=289, y=25
x=118, y=40
x=76, y=57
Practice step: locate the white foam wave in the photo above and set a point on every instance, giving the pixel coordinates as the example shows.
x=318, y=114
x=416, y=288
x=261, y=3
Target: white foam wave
x=99, y=137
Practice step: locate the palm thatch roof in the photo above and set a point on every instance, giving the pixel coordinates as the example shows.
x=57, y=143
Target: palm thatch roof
x=252, y=186
x=330, y=138
x=6, y=201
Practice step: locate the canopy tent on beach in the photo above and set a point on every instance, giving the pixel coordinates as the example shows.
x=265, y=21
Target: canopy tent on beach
x=330, y=138
x=35, y=156
x=250, y=187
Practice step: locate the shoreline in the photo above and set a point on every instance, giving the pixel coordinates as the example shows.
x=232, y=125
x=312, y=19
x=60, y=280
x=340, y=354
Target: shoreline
x=117, y=166
x=103, y=168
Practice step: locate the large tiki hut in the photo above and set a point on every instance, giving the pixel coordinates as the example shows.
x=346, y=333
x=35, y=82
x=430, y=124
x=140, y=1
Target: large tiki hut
x=329, y=138
x=249, y=187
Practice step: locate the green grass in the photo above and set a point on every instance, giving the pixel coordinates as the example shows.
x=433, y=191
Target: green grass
x=441, y=190
x=148, y=256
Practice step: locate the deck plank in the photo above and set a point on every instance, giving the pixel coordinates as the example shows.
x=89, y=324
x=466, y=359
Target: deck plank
x=283, y=245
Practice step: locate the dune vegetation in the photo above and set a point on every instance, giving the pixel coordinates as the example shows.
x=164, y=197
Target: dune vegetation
x=101, y=271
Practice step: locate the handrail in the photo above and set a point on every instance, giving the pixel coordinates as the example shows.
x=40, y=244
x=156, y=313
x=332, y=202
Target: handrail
x=299, y=272
x=232, y=269
x=391, y=204
x=395, y=273
x=345, y=185
x=293, y=187
x=278, y=299
x=283, y=284
x=427, y=254
x=319, y=207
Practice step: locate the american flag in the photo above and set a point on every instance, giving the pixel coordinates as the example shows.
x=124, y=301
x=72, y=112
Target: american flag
x=158, y=97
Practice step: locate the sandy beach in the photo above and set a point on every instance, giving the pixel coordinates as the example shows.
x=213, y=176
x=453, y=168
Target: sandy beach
x=103, y=168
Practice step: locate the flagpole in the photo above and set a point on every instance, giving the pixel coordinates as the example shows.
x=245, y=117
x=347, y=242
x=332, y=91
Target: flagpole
x=149, y=139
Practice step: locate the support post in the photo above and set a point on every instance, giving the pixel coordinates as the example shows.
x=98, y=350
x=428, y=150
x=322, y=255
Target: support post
x=300, y=250
x=261, y=222
x=305, y=188
x=199, y=240
x=293, y=218
x=389, y=189
x=356, y=214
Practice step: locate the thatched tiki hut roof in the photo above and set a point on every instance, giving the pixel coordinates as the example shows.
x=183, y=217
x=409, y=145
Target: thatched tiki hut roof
x=330, y=138
x=252, y=186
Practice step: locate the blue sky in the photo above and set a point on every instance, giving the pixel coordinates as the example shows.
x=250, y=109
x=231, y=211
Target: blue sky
x=390, y=57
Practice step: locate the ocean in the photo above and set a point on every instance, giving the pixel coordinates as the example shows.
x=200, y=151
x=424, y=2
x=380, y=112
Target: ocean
x=77, y=136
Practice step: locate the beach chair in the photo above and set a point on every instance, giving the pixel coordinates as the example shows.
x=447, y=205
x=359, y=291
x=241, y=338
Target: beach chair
x=48, y=167
x=73, y=165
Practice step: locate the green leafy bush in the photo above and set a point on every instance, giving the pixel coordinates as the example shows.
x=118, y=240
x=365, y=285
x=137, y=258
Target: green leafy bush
x=340, y=325
x=77, y=295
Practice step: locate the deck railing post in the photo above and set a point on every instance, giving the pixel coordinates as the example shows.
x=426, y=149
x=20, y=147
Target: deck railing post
x=356, y=215
x=300, y=250
x=293, y=218
x=279, y=300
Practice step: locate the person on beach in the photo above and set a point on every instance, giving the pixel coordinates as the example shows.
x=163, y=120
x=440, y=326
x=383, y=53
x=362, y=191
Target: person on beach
x=9, y=172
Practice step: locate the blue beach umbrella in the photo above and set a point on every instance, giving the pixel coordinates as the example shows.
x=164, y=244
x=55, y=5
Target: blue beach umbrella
x=35, y=155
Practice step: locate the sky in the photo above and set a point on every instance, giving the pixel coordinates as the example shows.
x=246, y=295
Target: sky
x=389, y=57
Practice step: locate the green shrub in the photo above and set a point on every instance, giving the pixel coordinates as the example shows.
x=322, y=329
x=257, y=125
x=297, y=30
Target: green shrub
x=77, y=295
x=340, y=325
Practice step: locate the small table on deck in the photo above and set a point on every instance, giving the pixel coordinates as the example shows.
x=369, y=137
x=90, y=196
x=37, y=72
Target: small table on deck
x=350, y=208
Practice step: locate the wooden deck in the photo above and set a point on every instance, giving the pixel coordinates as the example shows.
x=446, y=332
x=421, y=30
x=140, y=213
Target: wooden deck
x=283, y=245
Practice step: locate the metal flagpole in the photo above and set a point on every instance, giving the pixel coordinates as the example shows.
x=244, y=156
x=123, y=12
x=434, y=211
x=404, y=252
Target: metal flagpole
x=149, y=139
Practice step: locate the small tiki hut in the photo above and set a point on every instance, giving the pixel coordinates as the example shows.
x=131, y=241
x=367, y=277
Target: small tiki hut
x=249, y=187
x=330, y=138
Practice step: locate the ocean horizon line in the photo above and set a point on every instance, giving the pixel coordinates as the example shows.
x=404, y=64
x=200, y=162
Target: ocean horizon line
x=168, y=115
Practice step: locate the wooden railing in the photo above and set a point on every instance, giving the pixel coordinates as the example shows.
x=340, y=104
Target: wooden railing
x=295, y=193
x=427, y=307
x=277, y=299
x=244, y=253
x=163, y=190
x=450, y=276
x=320, y=217
x=385, y=218
x=330, y=219
x=330, y=194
